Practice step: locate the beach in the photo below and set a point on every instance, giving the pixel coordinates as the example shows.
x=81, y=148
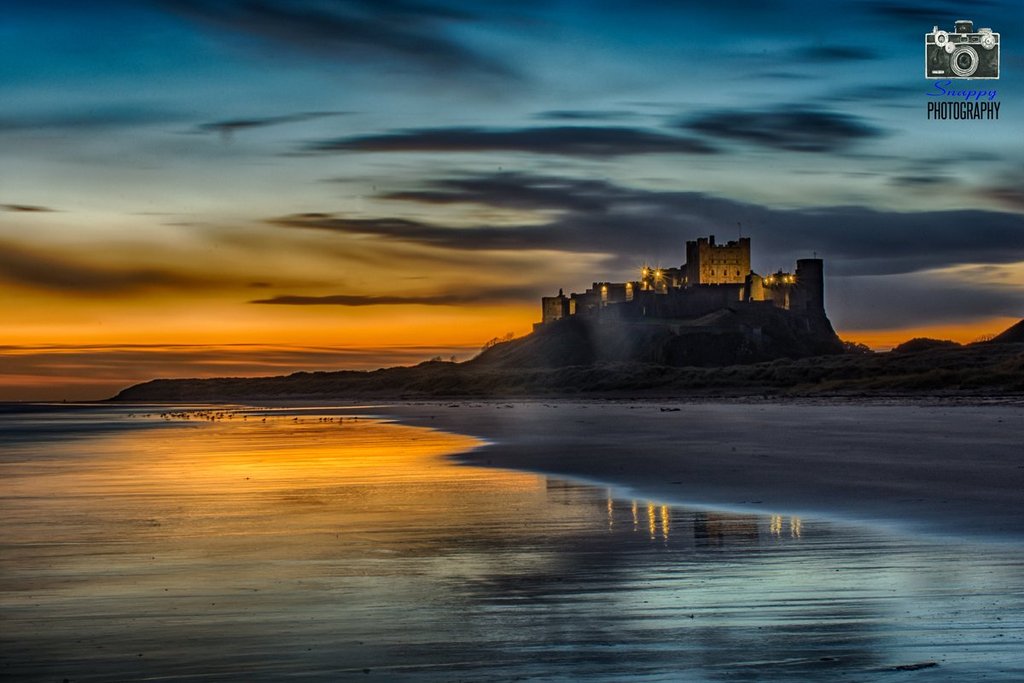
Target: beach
x=425, y=542
x=953, y=469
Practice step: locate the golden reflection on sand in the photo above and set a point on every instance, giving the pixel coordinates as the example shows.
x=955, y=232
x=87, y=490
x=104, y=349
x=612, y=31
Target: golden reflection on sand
x=247, y=479
x=245, y=457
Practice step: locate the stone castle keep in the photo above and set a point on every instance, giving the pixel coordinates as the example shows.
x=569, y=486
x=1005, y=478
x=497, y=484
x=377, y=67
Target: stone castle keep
x=715, y=277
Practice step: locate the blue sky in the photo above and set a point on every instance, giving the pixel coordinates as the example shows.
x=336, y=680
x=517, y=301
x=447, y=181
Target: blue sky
x=203, y=156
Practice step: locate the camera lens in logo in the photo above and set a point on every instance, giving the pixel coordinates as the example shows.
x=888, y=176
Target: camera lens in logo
x=964, y=61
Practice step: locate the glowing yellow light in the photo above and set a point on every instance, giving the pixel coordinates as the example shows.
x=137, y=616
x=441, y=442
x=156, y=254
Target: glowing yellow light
x=652, y=527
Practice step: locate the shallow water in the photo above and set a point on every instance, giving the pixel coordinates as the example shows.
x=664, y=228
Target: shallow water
x=265, y=545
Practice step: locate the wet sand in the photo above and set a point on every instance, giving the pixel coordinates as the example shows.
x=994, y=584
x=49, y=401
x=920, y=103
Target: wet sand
x=942, y=469
x=317, y=544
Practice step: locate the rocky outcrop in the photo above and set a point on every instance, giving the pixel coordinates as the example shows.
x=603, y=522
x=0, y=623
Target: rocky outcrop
x=726, y=337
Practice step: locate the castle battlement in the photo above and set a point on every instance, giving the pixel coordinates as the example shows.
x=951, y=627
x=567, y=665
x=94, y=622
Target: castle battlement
x=714, y=277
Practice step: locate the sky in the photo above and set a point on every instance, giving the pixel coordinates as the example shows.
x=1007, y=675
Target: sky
x=251, y=187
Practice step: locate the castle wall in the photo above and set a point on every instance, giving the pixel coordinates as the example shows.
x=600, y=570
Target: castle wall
x=587, y=304
x=779, y=295
x=690, y=302
x=661, y=279
x=612, y=292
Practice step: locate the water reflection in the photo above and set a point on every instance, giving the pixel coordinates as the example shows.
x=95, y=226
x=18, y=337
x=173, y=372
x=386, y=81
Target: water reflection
x=777, y=529
x=261, y=545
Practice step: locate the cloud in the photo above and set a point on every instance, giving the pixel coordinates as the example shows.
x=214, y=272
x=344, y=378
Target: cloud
x=230, y=126
x=921, y=15
x=919, y=300
x=785, y=75
x=519, y=191
x=26, y=208
x=472, y=295
x=797, y=129
x=583, y=114
x=926, y=181
x=880, y=264
x=578, y=141
x=1009, y=194
x=636, y=225
x=512, y=238
x=414, y=35
x=26, y=266
x=832, y=54
x=86, y=117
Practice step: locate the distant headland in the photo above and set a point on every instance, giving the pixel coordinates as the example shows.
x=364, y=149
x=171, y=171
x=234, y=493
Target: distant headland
x=711, y=327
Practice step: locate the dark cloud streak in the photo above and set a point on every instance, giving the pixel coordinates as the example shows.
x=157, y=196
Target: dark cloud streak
x=637, y=224
x=412, y=34
x=911, y=301
x=26, y=208
x=796, y=129
x=230, y=126
x=91, y=118
x=475, y=295
x=832, y=54
x=574, y=141
x=583, y=115
x=26, y=266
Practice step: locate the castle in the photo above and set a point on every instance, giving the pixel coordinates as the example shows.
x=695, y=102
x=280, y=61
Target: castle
x=714, y=277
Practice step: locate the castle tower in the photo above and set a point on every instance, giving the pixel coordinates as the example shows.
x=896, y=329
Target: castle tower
x=753, y=287
x=554, y=307
x=809, y=293
x=708, y=263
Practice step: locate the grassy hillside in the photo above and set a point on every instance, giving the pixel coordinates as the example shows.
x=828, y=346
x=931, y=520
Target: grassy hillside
x=977, y=369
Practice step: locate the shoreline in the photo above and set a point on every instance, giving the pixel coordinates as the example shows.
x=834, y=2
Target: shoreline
x=934, y=469
x=934, y=466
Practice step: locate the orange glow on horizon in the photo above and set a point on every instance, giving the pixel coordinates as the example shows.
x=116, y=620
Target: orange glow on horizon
x=102, y=350
x=883, y=340
x=218, y=322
